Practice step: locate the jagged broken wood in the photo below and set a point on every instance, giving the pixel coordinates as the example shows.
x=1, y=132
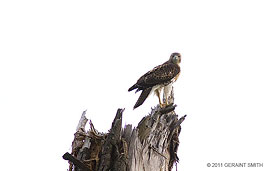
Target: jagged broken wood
x=75, y=161
x=151, y=146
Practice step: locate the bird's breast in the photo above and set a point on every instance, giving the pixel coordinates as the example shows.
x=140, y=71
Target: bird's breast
x=176, y=77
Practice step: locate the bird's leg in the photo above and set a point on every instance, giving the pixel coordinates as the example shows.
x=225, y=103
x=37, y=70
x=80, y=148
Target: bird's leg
x=158, y=95
x=167, y=94
x=157, y=92
x=166, y=101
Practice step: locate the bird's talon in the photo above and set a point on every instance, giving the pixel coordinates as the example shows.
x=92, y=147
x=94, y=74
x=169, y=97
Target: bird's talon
x=163, y=105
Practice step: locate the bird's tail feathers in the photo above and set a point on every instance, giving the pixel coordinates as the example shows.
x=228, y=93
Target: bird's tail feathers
x=143, y=96
x=137, y=90
x=133, y=87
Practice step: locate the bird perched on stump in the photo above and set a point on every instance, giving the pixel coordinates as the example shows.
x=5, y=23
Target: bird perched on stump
x=160, y=78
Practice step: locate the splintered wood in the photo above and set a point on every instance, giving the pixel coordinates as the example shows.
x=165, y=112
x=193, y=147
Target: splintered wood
x=151, y=146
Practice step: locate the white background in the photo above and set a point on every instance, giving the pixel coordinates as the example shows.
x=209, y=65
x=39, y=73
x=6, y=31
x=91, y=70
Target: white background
x=58, y=58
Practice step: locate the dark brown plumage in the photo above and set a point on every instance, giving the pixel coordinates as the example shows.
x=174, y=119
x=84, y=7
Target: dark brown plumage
x=157, y=78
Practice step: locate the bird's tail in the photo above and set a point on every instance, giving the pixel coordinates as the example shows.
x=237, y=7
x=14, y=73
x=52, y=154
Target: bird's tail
x=143, y=96
x=133, y=87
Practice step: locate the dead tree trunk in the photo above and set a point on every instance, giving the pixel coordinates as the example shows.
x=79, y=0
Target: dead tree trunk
x=151, y=146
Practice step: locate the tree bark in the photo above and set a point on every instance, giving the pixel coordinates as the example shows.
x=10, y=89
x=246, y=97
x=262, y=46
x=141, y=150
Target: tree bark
x=151, y=146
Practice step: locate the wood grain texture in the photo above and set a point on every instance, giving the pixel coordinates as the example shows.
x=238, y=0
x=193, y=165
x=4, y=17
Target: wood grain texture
x=151, y=146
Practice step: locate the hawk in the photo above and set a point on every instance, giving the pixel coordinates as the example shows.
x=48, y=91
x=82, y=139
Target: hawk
x=160, y=78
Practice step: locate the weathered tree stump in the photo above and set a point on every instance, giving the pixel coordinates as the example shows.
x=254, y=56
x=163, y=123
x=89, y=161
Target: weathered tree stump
x=151, y=146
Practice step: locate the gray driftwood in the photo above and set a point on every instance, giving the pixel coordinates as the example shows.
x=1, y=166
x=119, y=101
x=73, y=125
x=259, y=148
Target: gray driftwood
x=151, y=146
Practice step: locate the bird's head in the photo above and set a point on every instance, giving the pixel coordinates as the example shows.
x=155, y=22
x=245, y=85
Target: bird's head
x=175, y=58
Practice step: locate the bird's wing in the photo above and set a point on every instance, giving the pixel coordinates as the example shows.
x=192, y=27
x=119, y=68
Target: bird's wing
x=159, y=75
